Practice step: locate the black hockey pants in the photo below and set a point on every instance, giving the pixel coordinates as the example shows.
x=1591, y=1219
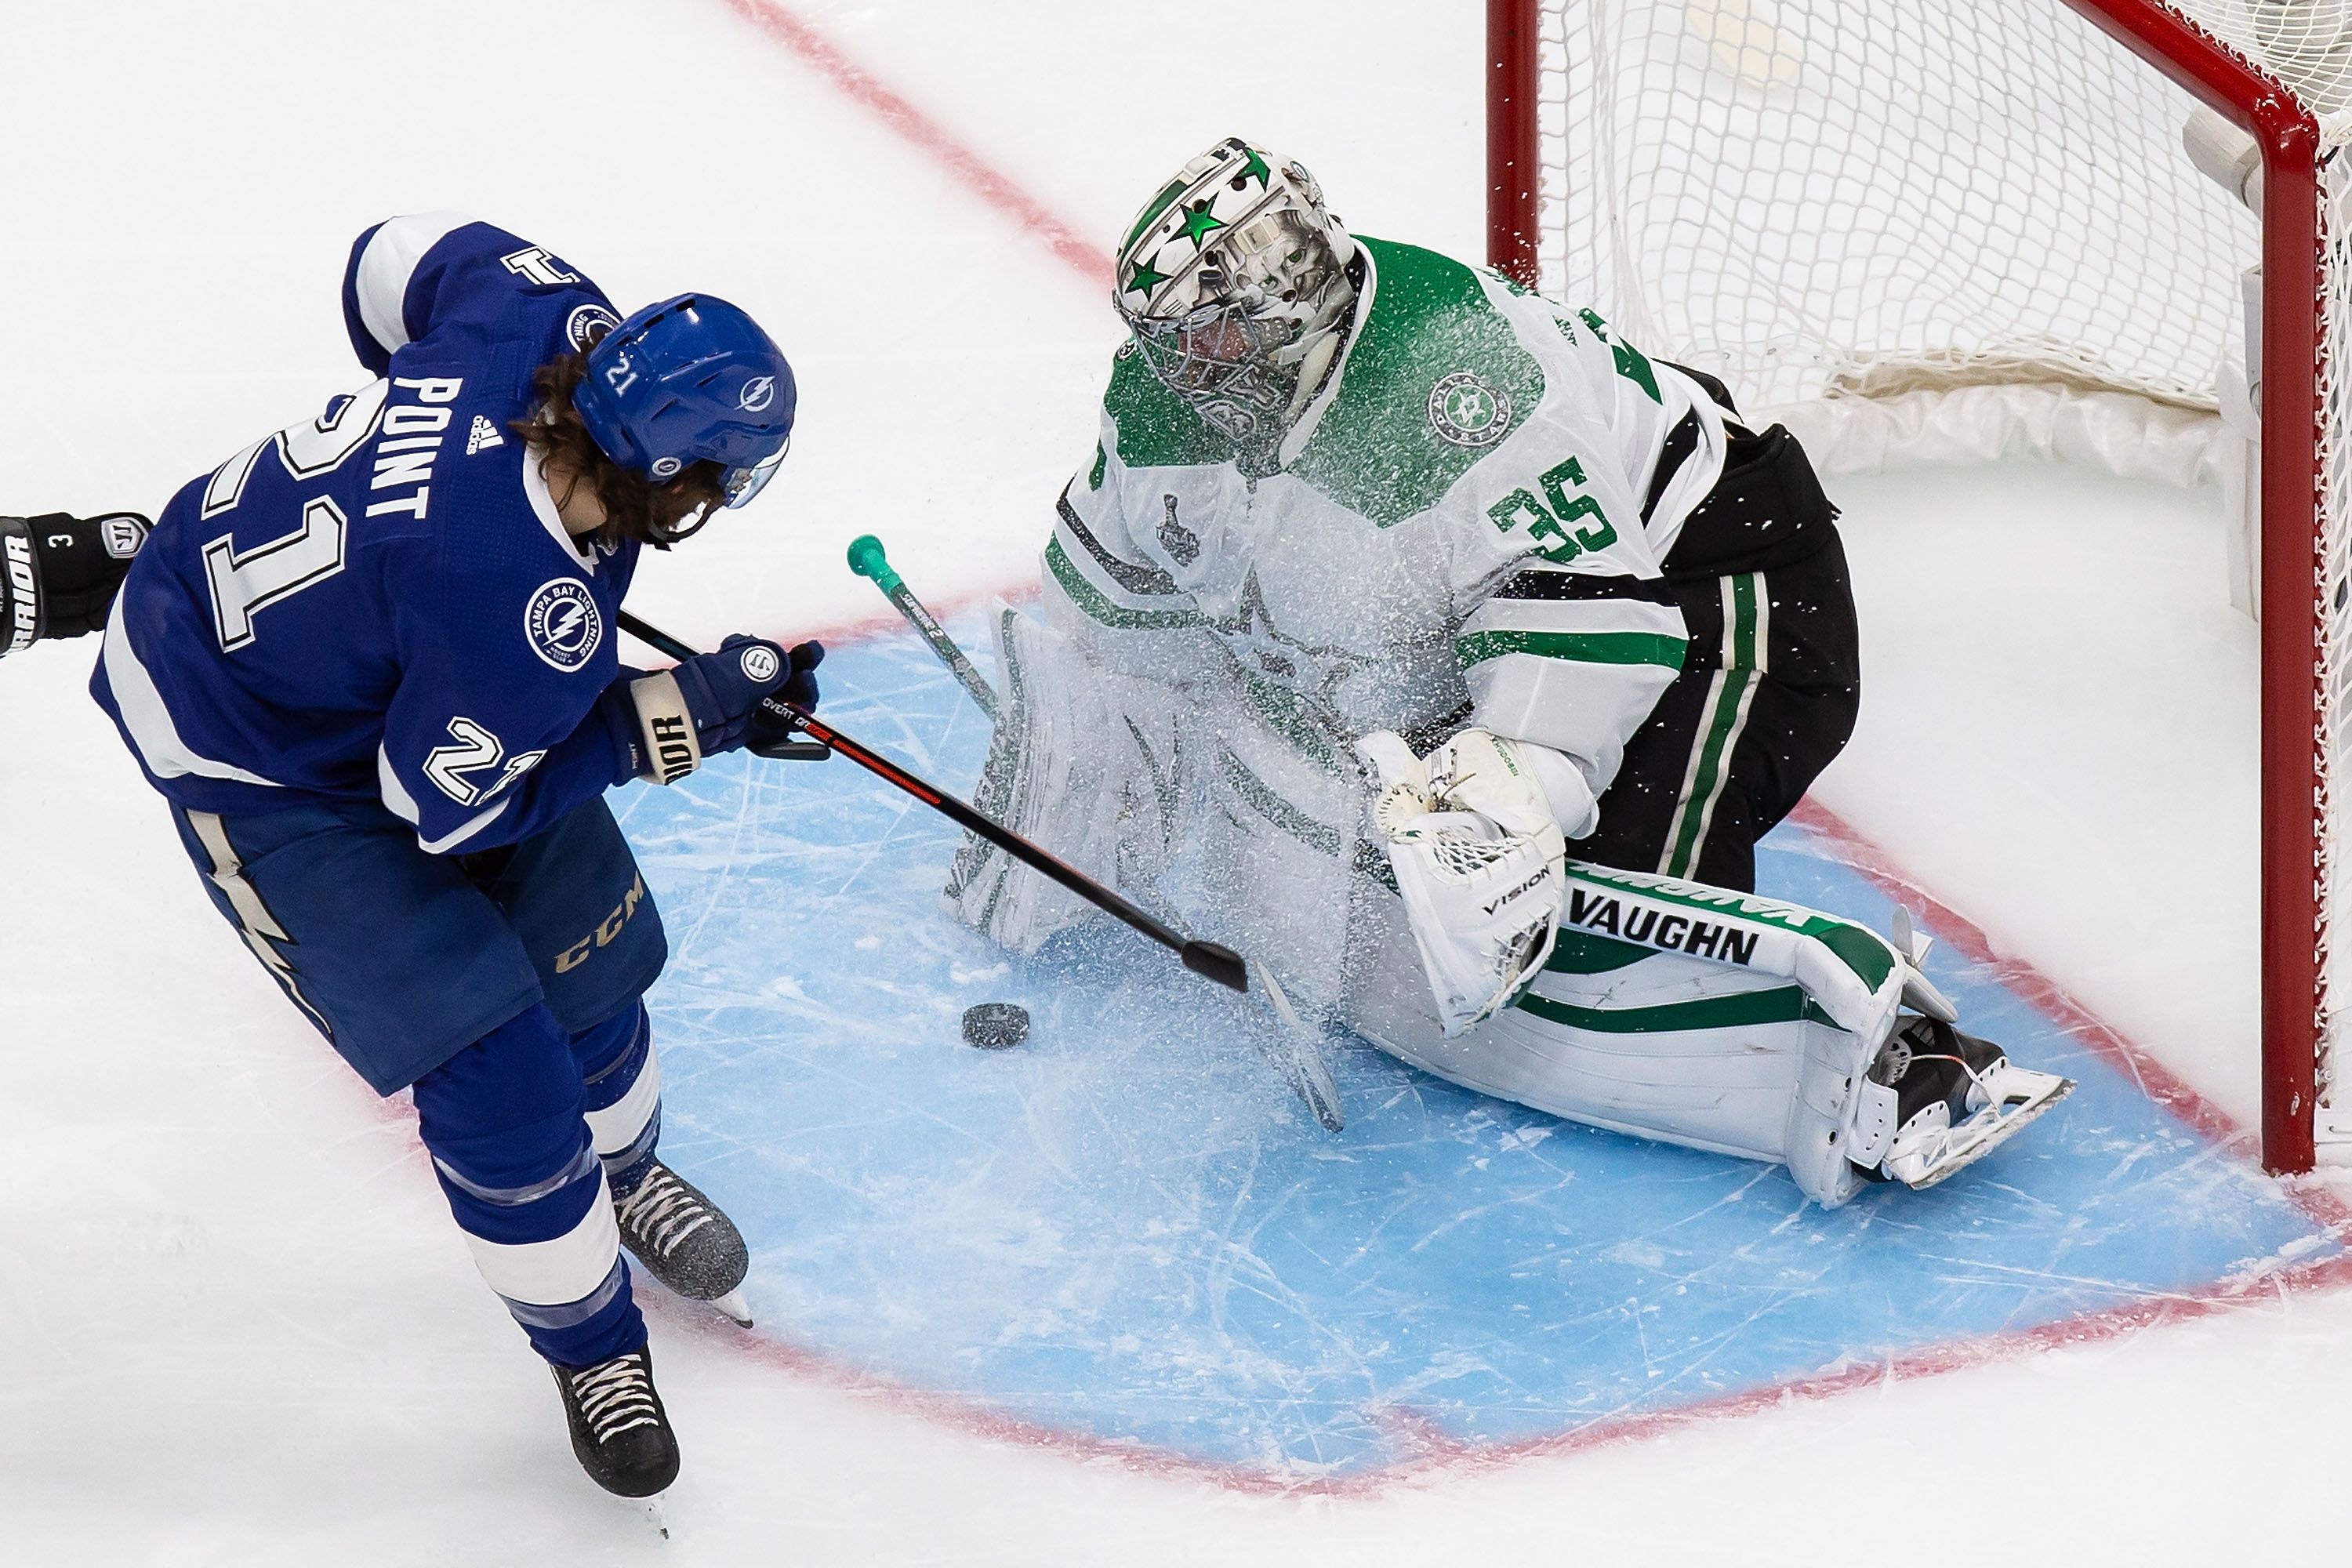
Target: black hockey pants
x=1768, y=691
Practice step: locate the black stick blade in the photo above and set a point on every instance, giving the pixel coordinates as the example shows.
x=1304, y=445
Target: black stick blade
x=1219, y=963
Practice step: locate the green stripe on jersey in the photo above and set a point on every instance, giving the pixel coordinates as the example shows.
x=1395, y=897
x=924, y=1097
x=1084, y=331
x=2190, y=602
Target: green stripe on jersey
x=1097, y=605
x=1581, y=648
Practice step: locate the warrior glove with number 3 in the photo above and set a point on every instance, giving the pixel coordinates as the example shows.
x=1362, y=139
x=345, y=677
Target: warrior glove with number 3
x=707, y=704
x=1479, y=858
x=59, y=573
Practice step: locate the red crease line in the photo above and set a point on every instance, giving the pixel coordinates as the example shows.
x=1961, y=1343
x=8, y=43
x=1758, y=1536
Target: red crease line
x=983, y=179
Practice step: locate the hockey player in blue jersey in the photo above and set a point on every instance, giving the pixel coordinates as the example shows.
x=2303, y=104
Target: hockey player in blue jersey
x=369, y=661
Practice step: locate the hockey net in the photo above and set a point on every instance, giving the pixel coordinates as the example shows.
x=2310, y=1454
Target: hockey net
x=1914, y=227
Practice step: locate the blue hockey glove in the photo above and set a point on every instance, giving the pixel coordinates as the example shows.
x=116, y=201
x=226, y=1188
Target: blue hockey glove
x=701, y=708
x=801, y=687
x=769, y=727
x=722, y=688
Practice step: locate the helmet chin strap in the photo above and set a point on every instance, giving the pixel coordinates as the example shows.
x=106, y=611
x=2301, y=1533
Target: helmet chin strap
x=1317, y=349
x=1321, y=356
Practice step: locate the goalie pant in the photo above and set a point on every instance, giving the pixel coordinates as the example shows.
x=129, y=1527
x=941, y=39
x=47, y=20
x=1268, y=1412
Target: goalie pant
x=1770, y=683
x=504, y=989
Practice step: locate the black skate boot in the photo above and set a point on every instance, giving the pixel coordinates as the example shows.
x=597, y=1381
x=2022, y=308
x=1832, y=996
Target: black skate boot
x=683, y=1239
x=1957, y=1099
x=619, y=1430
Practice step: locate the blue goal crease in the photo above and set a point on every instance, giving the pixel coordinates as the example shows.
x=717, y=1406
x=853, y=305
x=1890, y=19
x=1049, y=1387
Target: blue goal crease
x=1128, y=1230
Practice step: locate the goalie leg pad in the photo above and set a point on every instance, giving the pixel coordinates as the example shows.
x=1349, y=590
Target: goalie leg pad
x=1280, y=834
x=1086, y=763
x=1665, y=1046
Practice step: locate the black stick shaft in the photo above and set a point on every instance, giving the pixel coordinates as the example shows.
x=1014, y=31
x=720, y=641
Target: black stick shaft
x=1219, y=963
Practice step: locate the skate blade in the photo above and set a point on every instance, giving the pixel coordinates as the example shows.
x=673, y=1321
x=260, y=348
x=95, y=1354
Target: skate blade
x=735, y=1307
x=1993, y=1137
x=655, y=1516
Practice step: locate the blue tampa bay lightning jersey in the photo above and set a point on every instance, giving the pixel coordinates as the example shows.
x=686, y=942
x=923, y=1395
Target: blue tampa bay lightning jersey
x=381, y=604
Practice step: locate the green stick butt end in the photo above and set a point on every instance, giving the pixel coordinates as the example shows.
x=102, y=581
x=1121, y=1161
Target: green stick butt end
x=867, y=559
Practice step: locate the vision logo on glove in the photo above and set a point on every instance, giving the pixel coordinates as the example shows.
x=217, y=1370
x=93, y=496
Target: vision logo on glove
x=760, y=664
x=562, y=624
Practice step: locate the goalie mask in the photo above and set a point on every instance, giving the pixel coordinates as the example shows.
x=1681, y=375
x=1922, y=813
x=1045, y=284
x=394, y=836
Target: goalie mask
x=1234, y=280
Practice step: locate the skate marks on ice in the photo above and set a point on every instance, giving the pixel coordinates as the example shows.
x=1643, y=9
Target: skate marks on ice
x=1127, y=1230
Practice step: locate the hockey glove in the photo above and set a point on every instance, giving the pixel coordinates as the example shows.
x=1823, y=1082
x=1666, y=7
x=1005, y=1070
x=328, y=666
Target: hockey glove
x=704, y=706
x=1479, y=861
x=59, y=573
x=799, y=689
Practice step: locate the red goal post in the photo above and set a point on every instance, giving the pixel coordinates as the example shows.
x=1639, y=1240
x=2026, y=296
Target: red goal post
x=2278, y=70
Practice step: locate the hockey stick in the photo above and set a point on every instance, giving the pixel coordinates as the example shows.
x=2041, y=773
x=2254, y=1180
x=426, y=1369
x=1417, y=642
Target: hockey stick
x=866, y=559
x=1207, y=959
x=1304, y=1066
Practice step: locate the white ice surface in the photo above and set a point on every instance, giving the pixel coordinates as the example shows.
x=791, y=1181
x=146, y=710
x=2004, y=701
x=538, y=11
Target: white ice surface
x=236, y=1325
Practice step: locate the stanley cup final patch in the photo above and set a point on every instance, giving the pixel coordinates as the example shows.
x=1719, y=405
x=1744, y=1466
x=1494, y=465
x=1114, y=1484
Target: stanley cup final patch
x=562, y=624
x=1465, y=411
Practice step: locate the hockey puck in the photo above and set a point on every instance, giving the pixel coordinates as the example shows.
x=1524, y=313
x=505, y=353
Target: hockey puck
x=996, y=1026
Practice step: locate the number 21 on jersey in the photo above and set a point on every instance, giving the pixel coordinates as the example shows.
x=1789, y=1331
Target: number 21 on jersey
x=245, y=583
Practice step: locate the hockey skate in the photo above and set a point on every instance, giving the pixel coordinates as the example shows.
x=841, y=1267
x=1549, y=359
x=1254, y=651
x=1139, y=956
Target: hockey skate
x=683, y=1239
x=619, y=1429
x=1957, y=1099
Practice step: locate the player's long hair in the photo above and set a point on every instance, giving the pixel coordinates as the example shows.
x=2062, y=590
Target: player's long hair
x=636, y=506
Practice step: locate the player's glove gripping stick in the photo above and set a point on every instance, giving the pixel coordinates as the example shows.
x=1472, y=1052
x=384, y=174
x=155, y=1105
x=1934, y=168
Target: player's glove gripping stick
x=1208, y=959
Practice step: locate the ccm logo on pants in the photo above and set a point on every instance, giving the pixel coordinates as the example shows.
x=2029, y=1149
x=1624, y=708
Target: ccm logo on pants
x=606, y=932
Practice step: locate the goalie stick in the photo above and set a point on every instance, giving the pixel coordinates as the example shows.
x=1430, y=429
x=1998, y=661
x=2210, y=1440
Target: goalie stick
x=1303, y=1065
x=867, y=559
x=1208, y=959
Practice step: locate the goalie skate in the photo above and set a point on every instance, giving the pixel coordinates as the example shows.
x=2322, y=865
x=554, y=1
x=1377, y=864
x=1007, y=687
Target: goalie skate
x=1957, y=1099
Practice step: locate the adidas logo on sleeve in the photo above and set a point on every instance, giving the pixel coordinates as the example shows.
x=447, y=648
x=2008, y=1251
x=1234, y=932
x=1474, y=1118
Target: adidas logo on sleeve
x=483, y=435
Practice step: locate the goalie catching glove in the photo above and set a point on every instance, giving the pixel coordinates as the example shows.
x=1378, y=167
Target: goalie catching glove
x=1475, y=839
x=709, y=703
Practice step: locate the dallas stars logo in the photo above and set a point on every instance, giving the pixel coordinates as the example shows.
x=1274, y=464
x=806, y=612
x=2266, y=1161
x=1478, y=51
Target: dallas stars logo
x=1465, y=411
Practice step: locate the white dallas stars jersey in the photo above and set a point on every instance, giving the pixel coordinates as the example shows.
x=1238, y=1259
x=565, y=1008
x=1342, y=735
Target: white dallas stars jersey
x=1465, y=525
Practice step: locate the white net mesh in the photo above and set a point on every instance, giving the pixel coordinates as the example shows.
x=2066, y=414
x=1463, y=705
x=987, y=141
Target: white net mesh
x=1841, y=199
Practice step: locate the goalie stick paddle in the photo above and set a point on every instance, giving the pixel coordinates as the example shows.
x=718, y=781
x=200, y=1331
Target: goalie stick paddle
x=1207, y=959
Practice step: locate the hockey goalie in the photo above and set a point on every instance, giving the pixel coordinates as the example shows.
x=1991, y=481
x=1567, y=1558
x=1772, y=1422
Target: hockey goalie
x=1427, y=641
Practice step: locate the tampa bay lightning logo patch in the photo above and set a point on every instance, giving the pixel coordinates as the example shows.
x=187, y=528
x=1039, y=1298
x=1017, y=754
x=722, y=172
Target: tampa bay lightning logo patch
x=562, y=624
x=588, y=324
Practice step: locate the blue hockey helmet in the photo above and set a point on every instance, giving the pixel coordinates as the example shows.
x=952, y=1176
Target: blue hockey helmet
x=690, y=379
